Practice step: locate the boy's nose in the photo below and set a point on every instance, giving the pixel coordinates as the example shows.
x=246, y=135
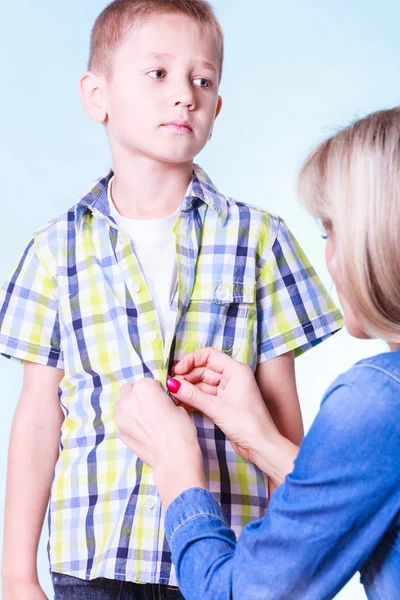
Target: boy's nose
x=190, y=105
x=184, y=96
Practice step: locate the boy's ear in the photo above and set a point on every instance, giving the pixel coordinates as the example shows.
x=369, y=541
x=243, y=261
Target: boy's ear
x=217, y=111
x=219, y=106
x=92, y=97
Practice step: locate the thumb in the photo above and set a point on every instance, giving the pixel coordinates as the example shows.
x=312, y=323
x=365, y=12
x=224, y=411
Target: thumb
x=189, y=394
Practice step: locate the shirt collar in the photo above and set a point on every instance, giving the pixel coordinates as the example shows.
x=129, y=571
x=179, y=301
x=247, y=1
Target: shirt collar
x=200, y=188
x=95, y=199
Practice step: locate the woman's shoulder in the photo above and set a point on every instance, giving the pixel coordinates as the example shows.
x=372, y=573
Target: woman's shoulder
x=387, y=365
x=371, y=379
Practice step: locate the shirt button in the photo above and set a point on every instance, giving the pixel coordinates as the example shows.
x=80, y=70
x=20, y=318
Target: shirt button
x=136, y=288
x=150, y=503
x=219, y=292
x=151, y=337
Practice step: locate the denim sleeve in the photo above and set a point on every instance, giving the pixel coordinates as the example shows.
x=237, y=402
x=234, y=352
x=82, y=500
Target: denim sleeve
x=321, y=524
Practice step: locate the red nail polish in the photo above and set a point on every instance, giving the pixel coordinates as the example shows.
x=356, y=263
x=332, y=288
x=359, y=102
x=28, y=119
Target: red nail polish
x=173, y=385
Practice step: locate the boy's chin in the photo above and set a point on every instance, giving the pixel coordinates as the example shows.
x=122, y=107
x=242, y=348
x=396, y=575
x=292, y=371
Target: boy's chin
x=173, y=158
x=177, y=152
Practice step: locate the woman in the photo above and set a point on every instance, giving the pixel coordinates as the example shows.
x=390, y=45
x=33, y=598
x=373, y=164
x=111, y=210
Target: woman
x=338, y=511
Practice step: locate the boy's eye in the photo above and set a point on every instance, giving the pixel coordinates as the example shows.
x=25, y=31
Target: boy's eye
x=201, y=82
x=157, y=74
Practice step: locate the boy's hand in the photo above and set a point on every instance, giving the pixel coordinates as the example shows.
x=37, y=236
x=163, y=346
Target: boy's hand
x=22, y=591
x=162, y=435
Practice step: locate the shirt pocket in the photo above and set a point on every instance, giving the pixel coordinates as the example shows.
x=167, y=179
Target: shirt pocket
x=222, y=315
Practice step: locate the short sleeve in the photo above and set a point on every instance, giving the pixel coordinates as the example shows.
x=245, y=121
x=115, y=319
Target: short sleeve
x=29, y=322
x=294, y=310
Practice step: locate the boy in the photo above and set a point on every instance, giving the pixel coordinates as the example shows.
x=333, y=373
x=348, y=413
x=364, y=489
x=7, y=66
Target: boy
x=118, y=289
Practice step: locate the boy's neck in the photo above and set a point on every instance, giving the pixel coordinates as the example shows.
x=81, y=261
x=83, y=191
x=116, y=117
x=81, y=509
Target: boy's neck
x=144, y=188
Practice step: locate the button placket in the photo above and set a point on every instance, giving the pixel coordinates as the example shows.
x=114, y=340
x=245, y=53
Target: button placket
x=136, y=287
x=151, y=337
x=150, y=503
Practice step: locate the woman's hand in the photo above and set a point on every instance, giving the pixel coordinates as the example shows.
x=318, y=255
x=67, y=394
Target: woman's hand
x=225, y=390
x=162, y=435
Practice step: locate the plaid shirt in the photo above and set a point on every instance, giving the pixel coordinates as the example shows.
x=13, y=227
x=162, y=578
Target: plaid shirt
x=77, y=300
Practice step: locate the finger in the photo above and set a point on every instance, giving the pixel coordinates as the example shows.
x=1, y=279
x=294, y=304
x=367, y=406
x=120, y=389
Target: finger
x=212, y=390
x=187, y=393
x=186, y=407
x=125, y=389
x=117, y=410
x=123, y=424
x=206, y=357
x=178, y=403
x=202, y=374
x=185, y=365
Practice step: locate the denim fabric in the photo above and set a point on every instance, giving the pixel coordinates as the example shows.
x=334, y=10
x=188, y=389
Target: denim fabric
x=71, y=588
x=337, y=512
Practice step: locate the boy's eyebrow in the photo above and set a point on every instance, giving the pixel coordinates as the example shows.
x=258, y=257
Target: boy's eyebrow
x=205, y=63
x=164, y=56
x=158, y=55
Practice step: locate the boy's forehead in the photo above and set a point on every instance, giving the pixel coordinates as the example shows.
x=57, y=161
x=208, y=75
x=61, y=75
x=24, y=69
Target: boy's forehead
x=163, y=35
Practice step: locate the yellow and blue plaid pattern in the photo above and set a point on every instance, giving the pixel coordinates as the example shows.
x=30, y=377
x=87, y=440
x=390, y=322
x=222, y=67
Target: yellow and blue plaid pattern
x=77, y=300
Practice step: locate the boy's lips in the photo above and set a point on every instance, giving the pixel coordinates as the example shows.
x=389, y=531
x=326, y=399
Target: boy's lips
x=178, y=126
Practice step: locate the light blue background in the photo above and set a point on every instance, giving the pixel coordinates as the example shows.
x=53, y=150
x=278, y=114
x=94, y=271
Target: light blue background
x=294, y=72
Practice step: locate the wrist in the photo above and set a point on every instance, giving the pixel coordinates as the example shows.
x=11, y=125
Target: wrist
x=275, y=456
x=175, y=477
x=10, y=579
x=19, y=565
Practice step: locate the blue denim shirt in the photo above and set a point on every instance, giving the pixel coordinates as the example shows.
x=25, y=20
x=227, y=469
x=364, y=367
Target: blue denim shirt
x=336, y=513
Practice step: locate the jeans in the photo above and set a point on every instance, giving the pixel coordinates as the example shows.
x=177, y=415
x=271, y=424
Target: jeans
x=72, y=588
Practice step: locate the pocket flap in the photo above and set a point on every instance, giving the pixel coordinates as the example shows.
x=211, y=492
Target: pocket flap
x=224, y=292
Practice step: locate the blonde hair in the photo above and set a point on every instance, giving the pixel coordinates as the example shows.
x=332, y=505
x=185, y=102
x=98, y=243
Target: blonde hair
x=352, y=183
x=118, y=17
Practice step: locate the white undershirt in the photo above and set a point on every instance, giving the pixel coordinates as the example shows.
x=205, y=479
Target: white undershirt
x=155, y=248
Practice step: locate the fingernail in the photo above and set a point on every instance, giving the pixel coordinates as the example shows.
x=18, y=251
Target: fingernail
x=173, y=385
x=173, y=366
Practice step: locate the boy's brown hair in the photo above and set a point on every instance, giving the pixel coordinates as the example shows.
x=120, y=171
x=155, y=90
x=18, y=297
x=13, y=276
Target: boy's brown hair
x=119, y=16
